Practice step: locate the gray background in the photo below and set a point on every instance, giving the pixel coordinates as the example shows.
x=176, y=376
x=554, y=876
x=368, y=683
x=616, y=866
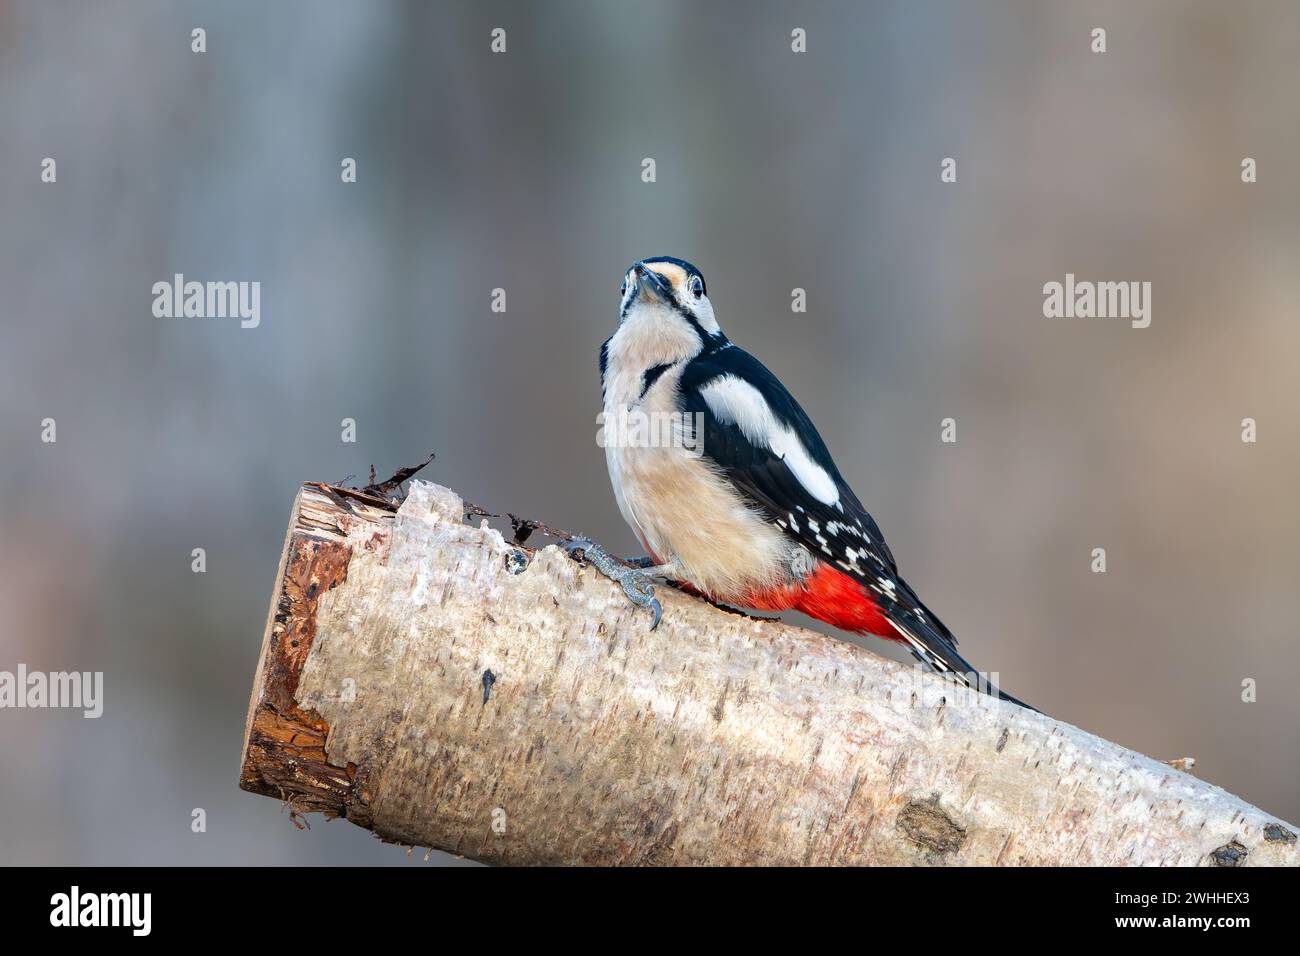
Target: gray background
x=775, y=170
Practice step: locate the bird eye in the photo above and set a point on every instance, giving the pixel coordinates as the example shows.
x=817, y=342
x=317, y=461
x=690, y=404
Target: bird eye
x=622, y=290
x=697, y=287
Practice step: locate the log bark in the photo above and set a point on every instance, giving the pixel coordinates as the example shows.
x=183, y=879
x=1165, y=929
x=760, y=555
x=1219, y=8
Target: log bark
x=716, y=739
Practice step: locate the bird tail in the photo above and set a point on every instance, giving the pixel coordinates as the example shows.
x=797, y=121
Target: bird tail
x=934, y=646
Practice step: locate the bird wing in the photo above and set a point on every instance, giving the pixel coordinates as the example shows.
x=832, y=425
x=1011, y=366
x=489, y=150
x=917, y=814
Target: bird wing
x=764, y=443
x=760, y=438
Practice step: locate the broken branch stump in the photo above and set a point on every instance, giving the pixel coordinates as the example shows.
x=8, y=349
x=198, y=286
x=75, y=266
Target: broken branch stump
x=716, y=739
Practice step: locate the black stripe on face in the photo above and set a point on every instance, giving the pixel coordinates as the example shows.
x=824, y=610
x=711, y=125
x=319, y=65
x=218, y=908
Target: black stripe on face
x=668, y=293
x=709, y=339
x=674, y=301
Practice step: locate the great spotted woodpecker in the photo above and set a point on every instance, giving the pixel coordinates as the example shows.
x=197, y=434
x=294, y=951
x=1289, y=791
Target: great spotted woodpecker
x=738, y=497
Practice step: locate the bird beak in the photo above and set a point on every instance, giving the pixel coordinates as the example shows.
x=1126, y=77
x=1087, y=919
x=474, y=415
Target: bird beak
x=652, y=285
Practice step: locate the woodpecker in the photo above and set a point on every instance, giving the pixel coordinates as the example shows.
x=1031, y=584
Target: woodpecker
x=742, y=503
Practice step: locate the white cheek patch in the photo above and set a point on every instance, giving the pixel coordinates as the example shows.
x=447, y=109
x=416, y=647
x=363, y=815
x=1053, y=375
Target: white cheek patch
x=736, y=402
x=704, y=316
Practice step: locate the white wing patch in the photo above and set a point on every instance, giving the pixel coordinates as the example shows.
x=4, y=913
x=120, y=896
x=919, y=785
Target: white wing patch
x=736, y=402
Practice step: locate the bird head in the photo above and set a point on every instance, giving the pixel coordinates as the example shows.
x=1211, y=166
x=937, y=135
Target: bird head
x=668, y=295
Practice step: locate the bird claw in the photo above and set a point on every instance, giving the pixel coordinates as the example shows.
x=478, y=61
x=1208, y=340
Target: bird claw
x=638, y=587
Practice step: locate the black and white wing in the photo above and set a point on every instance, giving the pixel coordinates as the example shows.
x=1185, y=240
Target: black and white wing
x=764, y=442
x=759, y=437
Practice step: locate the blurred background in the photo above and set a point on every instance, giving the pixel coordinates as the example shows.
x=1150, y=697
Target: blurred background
x=522, y=171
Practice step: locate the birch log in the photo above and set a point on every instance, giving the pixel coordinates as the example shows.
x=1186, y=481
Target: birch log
x=716, y=739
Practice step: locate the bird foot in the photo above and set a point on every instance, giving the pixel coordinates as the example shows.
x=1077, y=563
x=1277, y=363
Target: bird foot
x=636, y=583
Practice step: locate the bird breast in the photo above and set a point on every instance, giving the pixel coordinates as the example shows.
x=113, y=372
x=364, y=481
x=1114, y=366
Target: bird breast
x=683, y=509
